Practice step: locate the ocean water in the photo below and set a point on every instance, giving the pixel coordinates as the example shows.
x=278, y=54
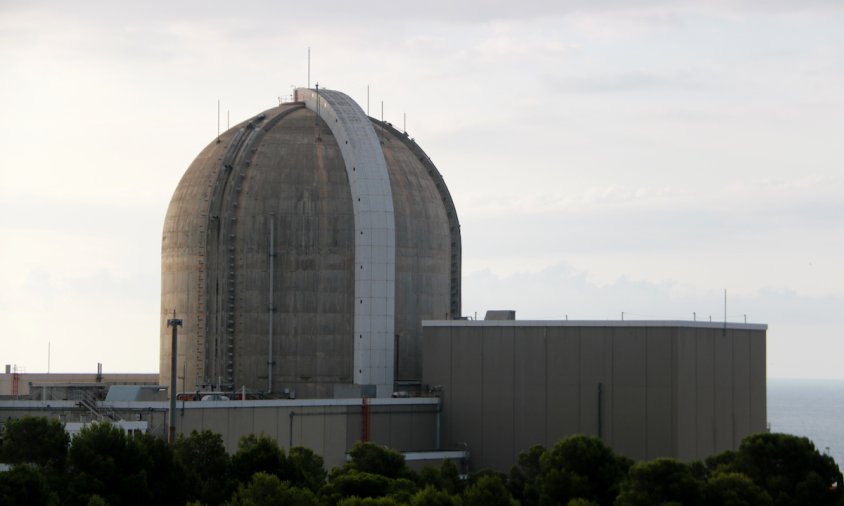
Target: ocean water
x=811, y=408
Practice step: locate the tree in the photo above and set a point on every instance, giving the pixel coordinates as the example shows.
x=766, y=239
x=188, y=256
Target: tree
x=376, y=459
x=266, y=490
x=790, y=469
x=121, y=469
x=258, y=453
x=101, y=463
x=488, y=490
x=204, y=461
x=660, y=481
x=524, y=474
x=431, y=496
x=26, y=484
x=734, y=489
x=579, y=467
x=452, y=483
x=354, y=483
x=158, y=469
x=581, y=502
x=369, y=501
x=35, y=440
x=307, y=469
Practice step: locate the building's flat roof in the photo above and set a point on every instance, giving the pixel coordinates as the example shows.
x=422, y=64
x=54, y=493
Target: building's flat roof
x=594, y=323
x=274, y=403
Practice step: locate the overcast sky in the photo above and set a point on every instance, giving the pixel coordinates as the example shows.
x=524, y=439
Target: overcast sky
x=637, y=157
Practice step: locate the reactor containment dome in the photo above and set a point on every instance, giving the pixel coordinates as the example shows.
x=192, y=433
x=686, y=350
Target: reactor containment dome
x=302, y=249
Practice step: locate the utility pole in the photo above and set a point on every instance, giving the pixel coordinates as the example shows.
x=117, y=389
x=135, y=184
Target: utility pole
x=174, y=324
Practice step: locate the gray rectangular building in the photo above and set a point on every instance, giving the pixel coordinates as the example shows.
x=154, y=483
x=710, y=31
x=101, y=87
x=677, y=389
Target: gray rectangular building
x=649, y=389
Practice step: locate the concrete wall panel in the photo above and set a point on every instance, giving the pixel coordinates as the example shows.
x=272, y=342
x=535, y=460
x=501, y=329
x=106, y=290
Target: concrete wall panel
x=564, y=413
x=593, y=359
x=629, y=356
x=498, y=397
x=659, y=423
x=741, y=384
x=266, y=422
x=629, y=421
x=240, y=423
x=530, y=388
x=724, y=402
x=312, y=430
x=685, y=394
x=464, y=411
x=758, y=383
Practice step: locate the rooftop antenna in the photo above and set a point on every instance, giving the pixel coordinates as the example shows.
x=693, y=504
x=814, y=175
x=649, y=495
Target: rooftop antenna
x=367, y=100
x=48, y=357
x=404, y=125
x=724, y=332
x=309, y=66
x=382, y=126
x=228, y=119
x=218, y=120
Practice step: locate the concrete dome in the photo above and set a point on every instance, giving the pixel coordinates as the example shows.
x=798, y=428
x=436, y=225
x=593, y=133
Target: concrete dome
x=302, y=250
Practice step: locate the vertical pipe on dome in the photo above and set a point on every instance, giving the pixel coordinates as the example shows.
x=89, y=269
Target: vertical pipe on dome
x=270, y=310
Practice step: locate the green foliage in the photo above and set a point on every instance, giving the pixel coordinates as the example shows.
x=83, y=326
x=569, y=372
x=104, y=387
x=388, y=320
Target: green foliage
x=258, y=454
x=431, y=496
x=790, y=470
x=376, y=459
x=488, y=490
x=267, y=489
x=450, y=475
x=445, y=478
x=581, y=502
x=96, y=500
x=307, y=469
x=26, y=484
x=660, y=481
x=523, y=476
x=369, y=501
x=35, y=440
x=121, y=469
x=723, y=461
x=156, y=462
x=204, y=460
x=359, y=484
x=579, y=467
x=105, y=466
x=734, y=489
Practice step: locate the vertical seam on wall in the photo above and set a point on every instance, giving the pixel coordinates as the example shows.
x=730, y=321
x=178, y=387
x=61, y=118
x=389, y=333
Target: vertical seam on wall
x=733, y=386
x=483, y=382
x=579, y=382
x=714, y=395
x=545, y=418
x=647, y=388
x=513, y=432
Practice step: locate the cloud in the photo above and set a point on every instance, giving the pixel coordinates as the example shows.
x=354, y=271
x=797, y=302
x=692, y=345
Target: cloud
x=632, y=81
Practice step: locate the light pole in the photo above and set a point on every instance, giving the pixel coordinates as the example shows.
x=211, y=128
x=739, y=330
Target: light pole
x=174, y=324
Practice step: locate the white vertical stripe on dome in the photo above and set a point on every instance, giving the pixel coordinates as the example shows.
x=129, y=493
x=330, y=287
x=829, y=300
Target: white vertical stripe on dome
x=375, y=234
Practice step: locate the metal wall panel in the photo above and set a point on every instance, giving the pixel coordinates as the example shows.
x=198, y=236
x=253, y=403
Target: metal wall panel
x=497, y=412
x=530, y=390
